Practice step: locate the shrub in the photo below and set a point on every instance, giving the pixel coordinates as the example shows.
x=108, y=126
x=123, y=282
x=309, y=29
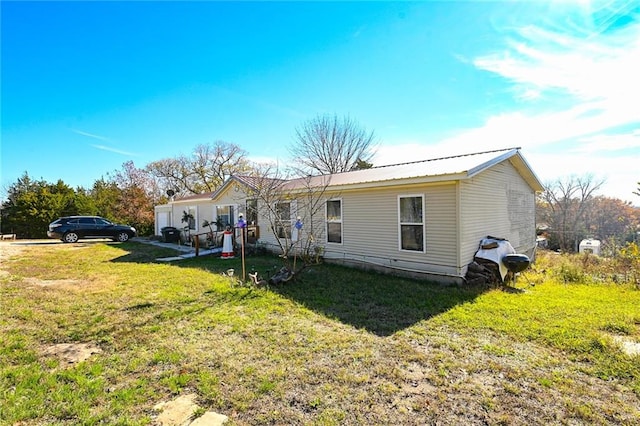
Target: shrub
x=622, y=268
x=627, y=263
x=570, y=272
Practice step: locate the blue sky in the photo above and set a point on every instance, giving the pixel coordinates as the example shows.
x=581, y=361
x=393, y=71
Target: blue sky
x=87, y=86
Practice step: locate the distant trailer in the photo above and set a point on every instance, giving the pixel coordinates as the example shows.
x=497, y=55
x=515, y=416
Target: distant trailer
x=590, y=246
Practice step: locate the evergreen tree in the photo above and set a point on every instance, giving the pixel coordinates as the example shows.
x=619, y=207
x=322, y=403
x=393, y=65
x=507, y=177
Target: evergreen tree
x=32, y=205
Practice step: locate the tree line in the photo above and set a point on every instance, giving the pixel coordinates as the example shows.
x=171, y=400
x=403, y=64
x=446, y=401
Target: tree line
x=126, y=196
x=568, y=211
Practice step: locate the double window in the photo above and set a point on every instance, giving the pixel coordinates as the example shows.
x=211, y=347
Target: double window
x=334, y=221
x=411, y=222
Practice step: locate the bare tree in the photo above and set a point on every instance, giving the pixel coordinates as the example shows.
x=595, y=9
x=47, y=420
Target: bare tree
x=328, y=144
x=204, y=171
x=293, y=209
x=563, y=206
x=612, y=219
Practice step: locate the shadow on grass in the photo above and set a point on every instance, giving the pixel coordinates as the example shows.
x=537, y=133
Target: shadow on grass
x=381, y=304
x=144, y=253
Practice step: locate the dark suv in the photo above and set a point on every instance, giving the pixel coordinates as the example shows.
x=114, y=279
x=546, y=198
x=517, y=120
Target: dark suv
x=72, y=228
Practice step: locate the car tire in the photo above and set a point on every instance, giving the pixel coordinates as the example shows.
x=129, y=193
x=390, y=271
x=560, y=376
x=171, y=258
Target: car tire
x=122, y=237
x=70, y=237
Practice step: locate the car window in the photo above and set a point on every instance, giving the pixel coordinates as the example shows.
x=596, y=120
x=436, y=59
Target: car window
x=87, y=221
x=101, y=221
x=73, y=221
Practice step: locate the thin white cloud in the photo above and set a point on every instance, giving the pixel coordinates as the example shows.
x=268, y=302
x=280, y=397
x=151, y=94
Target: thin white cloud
x=90, y=135
x=104, y=147
x=115, y=150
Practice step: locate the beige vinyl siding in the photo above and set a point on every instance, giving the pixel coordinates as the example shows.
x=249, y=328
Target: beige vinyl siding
x=163, y=217
x=370, y=229
x=442, y=226
x=204, y=209
x=496, y=202
x=234, y=196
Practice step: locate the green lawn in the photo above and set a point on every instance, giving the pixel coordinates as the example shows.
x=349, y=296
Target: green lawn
x=337, y=346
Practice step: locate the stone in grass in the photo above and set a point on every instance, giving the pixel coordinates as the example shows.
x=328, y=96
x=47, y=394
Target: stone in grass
x=210, y=419
x=627, y=346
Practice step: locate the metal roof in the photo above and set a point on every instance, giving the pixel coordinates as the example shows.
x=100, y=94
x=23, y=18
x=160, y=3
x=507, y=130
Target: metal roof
x=438, y=169
x=193, y=197
x=455, y=167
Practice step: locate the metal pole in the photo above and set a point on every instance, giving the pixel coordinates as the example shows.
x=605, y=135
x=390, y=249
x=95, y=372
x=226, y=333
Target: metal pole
x=242, y=249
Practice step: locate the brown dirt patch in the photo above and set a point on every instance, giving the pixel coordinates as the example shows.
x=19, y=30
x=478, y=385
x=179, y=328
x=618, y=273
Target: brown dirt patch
x=71, y=353
x=48, y=283
x=9, y=249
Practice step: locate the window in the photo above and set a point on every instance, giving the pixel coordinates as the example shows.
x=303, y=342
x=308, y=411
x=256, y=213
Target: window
x=191, y=211
x=252, y=212
x=334, y=221
x=225, y=216
x=283, y=220
x=411, y=220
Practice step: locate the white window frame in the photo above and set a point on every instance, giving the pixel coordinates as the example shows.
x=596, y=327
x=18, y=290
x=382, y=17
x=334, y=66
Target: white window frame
x=293, y=208
x=231, y=213
x=422, y=223
x=329, y=220
x=194, y=211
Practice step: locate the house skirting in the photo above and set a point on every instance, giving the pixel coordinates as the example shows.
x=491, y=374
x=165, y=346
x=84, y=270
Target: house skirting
x=415, y=270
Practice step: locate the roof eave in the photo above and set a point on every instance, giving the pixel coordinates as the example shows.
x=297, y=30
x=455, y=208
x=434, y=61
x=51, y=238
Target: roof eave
x=527, y=172
x=517, y=160
x=226, y=185
x=445, y=178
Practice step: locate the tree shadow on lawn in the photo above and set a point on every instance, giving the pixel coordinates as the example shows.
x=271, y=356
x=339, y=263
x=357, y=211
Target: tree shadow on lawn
x=144, y=253
x=381, y=304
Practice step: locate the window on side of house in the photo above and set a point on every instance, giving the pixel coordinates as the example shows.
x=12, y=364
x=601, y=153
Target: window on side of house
x=252, y=212
x=283, y=219
x=192, y=211
x=411, y=222
x=334, y=221
x=225, y=215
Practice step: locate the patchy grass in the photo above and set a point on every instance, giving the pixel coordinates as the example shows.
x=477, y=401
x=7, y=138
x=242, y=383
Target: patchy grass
x=338, y=346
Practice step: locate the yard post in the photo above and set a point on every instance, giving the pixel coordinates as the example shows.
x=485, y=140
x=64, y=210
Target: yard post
x=242, y=224
x=298, y=230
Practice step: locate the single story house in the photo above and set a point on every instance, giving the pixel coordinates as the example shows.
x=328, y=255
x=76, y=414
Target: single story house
x=171, y=214
x=422, y=218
